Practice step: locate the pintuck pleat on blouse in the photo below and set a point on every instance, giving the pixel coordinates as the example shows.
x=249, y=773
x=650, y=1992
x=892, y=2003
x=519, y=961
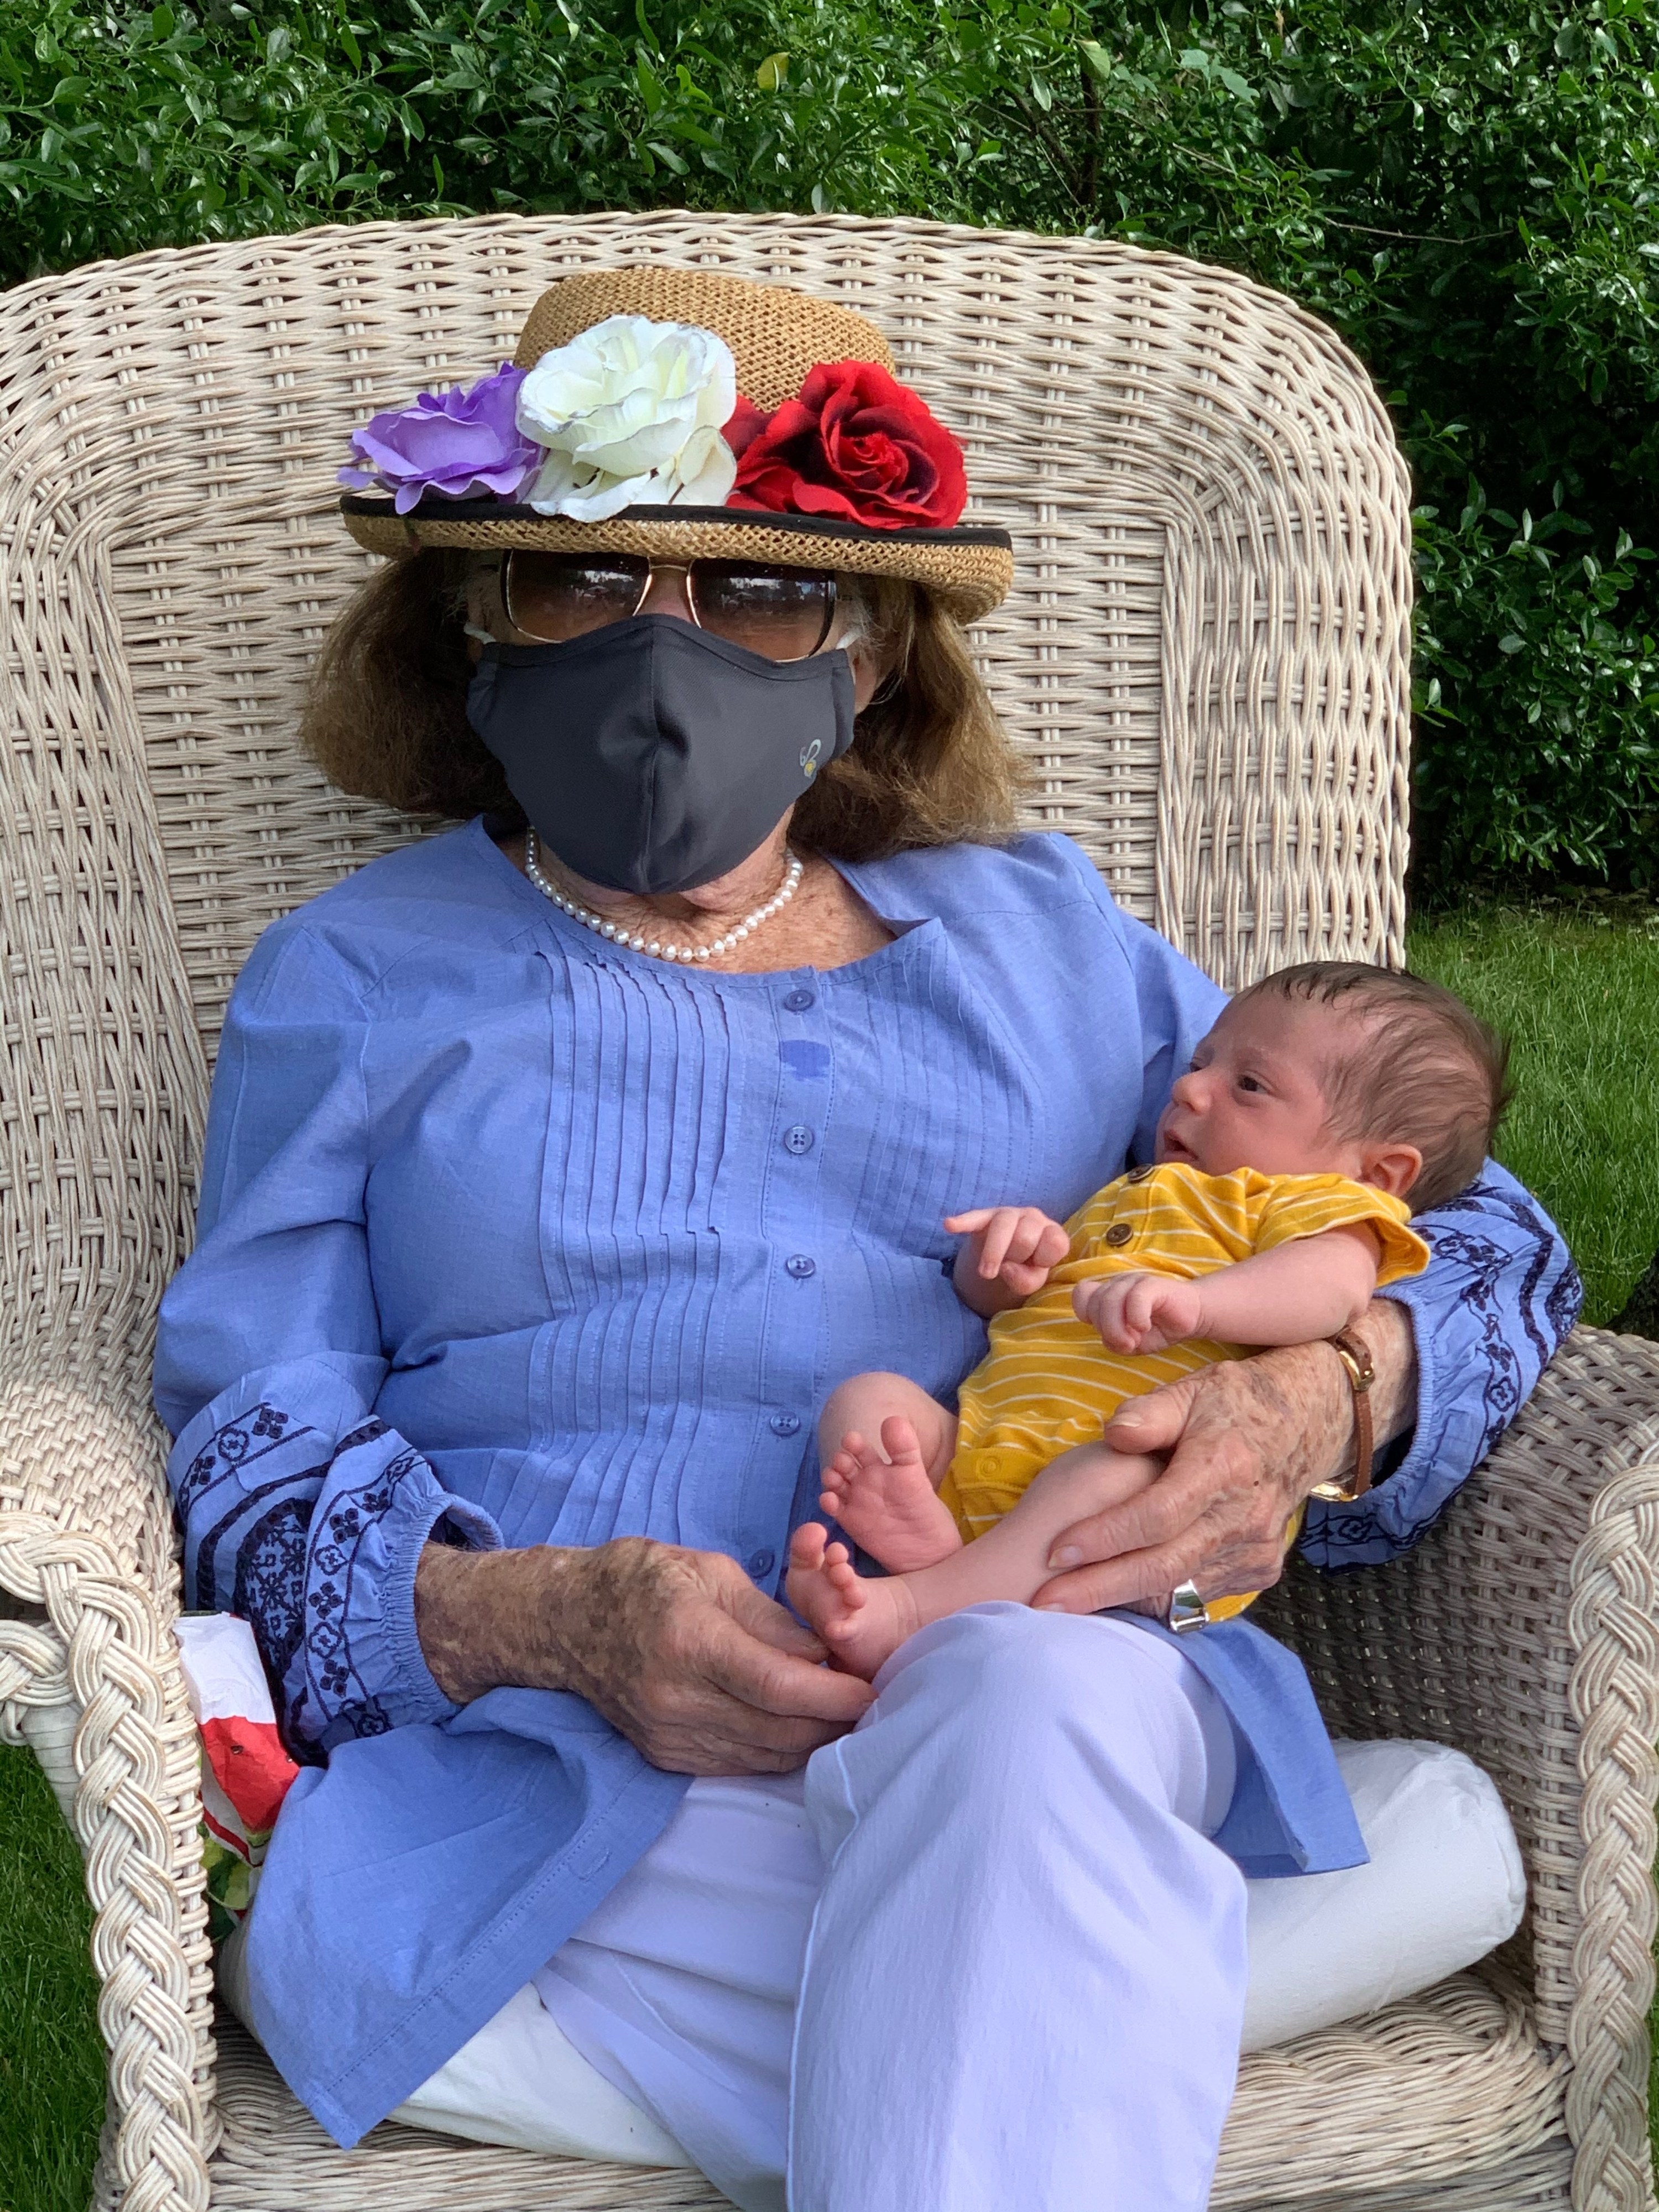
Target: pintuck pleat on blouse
x=509, y=1236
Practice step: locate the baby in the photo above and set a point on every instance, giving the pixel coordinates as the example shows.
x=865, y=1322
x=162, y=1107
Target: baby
x=1320, y=1100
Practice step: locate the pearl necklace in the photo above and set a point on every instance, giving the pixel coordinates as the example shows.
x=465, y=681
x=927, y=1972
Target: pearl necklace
x=657, y=948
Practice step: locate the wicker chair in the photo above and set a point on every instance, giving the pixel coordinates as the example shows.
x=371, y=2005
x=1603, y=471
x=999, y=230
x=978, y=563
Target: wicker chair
x=1206, y=663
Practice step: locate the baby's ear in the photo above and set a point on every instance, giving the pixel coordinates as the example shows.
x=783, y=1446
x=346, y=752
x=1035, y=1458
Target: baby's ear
x=1392, y=1168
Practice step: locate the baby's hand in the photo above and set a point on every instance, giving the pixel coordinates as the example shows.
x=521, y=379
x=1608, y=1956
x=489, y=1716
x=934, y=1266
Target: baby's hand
x=1139, y=1313
x=1016, y=1246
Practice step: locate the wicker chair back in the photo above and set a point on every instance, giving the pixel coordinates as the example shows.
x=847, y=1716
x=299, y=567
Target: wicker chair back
x=1205, y=661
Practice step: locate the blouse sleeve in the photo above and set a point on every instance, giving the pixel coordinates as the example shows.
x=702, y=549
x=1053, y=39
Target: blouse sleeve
x=1498, y=1298
x=302, y=1511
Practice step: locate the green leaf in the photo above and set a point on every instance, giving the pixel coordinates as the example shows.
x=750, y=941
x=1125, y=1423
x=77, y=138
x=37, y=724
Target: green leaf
x=650, y=87
x=1098, y=61
x=772, y=72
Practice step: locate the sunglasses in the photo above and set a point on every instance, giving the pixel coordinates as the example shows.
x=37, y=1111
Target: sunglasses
x=784, y=614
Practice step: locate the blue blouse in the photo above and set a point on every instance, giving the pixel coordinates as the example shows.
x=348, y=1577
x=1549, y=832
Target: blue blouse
x=509, y=1235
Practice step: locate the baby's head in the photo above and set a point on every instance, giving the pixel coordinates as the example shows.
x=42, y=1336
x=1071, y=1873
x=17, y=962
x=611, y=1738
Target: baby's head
x=1333, y=1068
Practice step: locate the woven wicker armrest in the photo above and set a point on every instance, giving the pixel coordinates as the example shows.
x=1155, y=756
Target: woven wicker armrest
x=1525, y=1630
x=88, y=1591
x=91, y=1457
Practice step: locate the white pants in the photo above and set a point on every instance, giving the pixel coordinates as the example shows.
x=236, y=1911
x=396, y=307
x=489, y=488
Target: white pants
x=983, y=1956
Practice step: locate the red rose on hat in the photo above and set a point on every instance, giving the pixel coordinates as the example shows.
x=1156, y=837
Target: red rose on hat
x=855, y=446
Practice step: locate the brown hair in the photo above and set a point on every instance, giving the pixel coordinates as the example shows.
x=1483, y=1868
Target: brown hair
x=1423, y=1070
x=386, y=719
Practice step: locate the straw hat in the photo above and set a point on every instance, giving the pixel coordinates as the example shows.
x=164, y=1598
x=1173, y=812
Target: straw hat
x=816, y=503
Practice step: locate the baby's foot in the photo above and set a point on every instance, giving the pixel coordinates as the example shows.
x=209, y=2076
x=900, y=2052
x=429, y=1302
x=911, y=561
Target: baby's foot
x=862, y=1619
x=889, y=1506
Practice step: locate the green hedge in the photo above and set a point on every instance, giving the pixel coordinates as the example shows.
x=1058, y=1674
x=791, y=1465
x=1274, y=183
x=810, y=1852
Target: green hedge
x=1472, y=197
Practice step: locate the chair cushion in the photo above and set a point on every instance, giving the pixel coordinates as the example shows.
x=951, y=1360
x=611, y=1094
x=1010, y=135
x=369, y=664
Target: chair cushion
x=1445, y=1885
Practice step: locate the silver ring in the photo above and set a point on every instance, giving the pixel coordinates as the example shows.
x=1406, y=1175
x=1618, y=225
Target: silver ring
x=1185, y=1610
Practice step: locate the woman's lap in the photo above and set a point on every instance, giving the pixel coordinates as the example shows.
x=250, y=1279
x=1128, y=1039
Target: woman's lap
x=998, y=1741
x=683, y=1987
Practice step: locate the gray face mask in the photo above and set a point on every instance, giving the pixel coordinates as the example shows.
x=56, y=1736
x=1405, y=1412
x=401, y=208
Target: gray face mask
x=651, y=757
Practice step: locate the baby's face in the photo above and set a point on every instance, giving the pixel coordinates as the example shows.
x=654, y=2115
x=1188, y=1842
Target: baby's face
x=1253, y=1098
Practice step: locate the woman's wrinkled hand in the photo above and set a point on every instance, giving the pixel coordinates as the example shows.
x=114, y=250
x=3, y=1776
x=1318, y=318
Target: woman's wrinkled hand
x=678, y=1649
x=1246, y=1441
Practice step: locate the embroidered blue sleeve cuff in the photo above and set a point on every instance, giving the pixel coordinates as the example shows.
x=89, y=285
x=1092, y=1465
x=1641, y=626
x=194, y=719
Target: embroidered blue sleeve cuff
x=309, y=1525
x=1496, y=1303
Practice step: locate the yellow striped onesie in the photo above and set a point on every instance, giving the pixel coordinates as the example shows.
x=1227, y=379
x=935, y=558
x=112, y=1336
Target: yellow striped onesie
x=1049, y=1382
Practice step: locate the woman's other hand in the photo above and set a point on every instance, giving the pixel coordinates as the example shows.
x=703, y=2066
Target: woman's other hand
x=701, y=1671
x=1008, y=1252
x=1247, y=1442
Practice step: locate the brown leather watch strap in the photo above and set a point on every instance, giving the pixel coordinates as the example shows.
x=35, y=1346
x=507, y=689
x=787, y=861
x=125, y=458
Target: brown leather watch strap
x=1356, y=1365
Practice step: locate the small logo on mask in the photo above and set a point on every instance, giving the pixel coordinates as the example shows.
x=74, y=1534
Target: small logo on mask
x=808, y=758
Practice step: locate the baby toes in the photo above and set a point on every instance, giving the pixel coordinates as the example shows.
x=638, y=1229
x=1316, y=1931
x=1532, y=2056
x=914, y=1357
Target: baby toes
x=806, y=1547
x=839, y=1573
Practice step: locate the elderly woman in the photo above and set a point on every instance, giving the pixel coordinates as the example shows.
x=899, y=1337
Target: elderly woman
x=558, y=1167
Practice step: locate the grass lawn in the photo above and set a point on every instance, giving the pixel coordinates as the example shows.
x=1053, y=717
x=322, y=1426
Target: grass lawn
x=1576, y=988
x=52, y=2063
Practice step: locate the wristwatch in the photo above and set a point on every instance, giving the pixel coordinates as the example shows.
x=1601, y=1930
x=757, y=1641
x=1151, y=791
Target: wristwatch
x=1358, y=1366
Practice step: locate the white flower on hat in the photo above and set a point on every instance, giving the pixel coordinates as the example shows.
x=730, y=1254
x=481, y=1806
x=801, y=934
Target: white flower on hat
x=630, y=412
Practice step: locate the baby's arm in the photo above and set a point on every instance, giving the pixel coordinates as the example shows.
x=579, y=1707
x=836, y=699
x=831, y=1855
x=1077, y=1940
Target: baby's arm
x=1008, y=1253
x=1291, y=1295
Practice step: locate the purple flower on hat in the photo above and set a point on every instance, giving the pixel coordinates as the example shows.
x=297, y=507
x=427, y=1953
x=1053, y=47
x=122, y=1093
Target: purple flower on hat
x=462, y=443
